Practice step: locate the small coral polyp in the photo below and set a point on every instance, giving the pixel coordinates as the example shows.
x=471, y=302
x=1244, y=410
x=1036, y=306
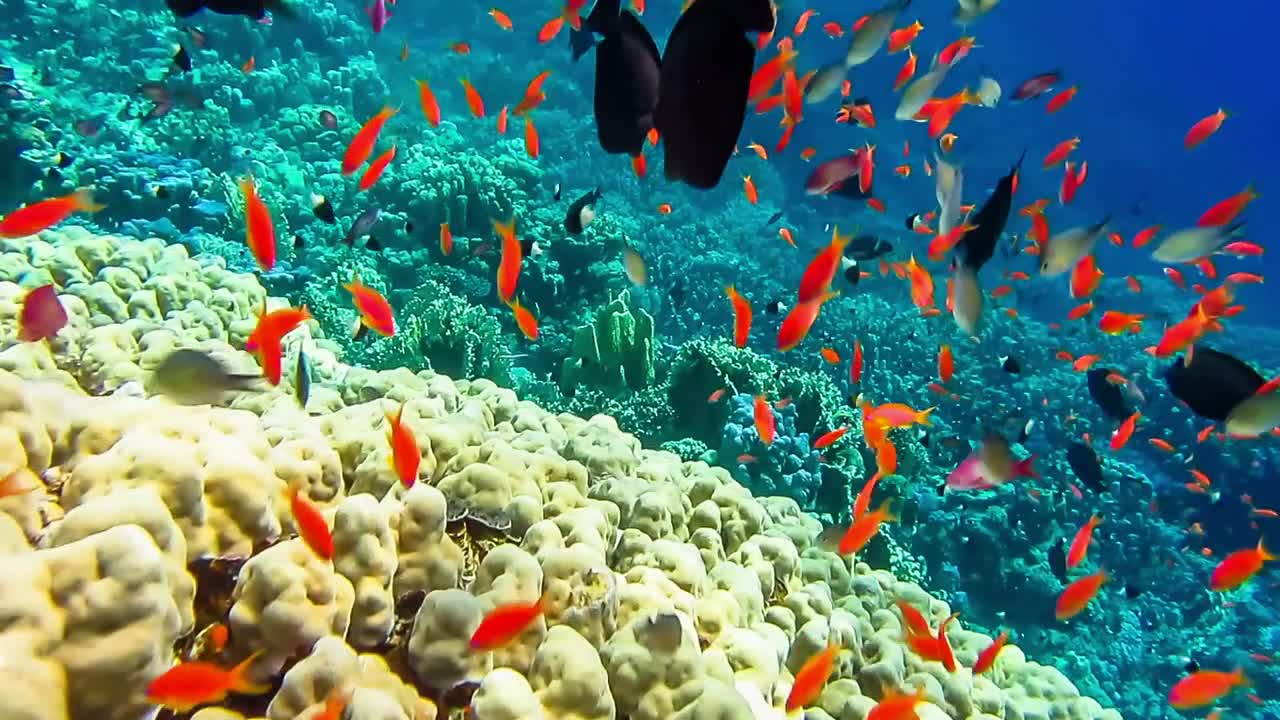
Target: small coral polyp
x=670, y=591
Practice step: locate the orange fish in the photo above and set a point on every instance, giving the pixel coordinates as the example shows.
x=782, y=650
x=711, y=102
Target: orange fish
x=914, y=619
x=808, y=153
x=957, y=50
x=1060, y=152
x=1203, y=129
x=855, y=368
x=362, y=144
x=1135, y=285
x=405, y=456
x=886, y=458
x=461, y=48
x=785, y=234
x=188, y=685
x=1084, y=362
x=830, y=355
x=502, y=122
x=375, y=311
x=531, y=143
x=1161, y=444
x=249, y=65
x=922, y=287
x=812, y=677
x=896, y=706
x=766, y=426
x=664, y=209
x=260, y=233
x=833, y=29
x=376, y=168
x=828, y=439
x=533, y=95
x=474, y=102
x=45, y=214
x=946, y=364
x=876, y=204
x=902, y=38
x=639, y=166
x=273, y=326
x=1085, y=277
x=1146, y=236
x=218, y=637
x=1060, y=100
x=862, y=529
x=903, y=171
x=1080, y=543
x=1080, y=311
x=551, y=29
x=525, y=320
x=759, y=150
x=430, y=108
x=501, y=18
x=796, y=325
x=512, y=256
x=1114, y=322
x=1001, y=290
x=802, y=24
x=768, y=74
x=907, y=72
x=749, y=188
x=446, y=239
x=822, y=269
x=1205, y=687
x=312, y=527
x=1225, y=211
x=1237, y=568
x=987, y=658
x=944, y=243
x=505, y=623
x=741, y=316
x=1077, y=596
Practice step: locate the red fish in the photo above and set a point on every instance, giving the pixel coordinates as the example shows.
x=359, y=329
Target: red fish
x=1080, y=543
x=502, y=121
x=474, y=102
x=902, y=38
x=1145, y=236
x=260, y=233
x=430, y=108
x=1072, y=179
x=796, y=325
x=812, y=678
x=45, y=214
x=987, y=658
x=376, y=169
x=830, y=438
x=741, y=316
x=505, y=623
x=1237, y=568
x=312, y=527
x=405, y=455
x=749, y=189
x=42, y=316
x=512, y=257
x=897, y=706
x=822, y=269
x=946, y=364
x=1059, y=101
x=188, y=685
x=525, y=320
x=864, y=528
x=766, y=426
x=1203, y=129
x=532, y=145
x=1114, y=322
x=1077, y=596
x=1224, y=212
x=802, y=23
x=501, y=19
x=855, y=368
x=375, y=311
x=362, y=144
x=446, y=239
x=274, y=325
x=957, y=50
x=1205, y=687
x=907, y=72
x=1060, y=152
x=533, y=95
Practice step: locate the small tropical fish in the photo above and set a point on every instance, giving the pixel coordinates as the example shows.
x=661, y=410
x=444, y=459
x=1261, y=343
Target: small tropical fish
x=828, y=439
x=1114, y=322
x=1077, y=596
x=188, y=685
x=796, y=325
x=957, y=50
x=664, y=209
x=375, y=311
x=946, y=364
x=1060, y=152
x=260, y=234
x=500, y=18
x=525, y=320
x=512, y=257
x=1205, y=687
x=855, y=368
x=312, y=526
x=532, y=145
x=765, y=422
x=802, y=23
x=897, y=706
x=45, y=214
x=833, y=29
x=1059, y=101
x=1204, y=128
x=749, y=189
x=906, y=72
x=474, y=102
x=1226, y=211
x=914, y=619
x=987, y=658
x=249, y=65
x=461, y=48
x=812, y=678
x=862, y=529
x=830, y=355
x=446, y=239
x=361, y=146
x=42, y=315
x=1080, y=543
x=376, y=168
x=741, y=316
x=378, y=15
x=505, y=623
x=430, y=108
x=1237, y=568
x=902, y=38
x=1122, y=434
x=715, y=396
x=405, y=456
x=785, y=234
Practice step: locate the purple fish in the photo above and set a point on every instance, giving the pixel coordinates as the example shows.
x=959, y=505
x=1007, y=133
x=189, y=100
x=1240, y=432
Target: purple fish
x=378, y=15
x=991, y=464
x=1034, y=87
x=328, y=120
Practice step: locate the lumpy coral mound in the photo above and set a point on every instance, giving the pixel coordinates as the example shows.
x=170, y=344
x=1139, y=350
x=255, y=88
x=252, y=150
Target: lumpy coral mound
x=670, y=591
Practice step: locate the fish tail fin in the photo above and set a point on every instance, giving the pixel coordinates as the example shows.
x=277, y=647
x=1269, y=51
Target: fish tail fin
x=1238, y=677
x=885, y=511
x=1026, y=468
x=241, y=683
x=83, y=199
x=922, y=417
x=1264, y=553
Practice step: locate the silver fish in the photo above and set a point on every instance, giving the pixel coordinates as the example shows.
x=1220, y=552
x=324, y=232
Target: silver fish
x=919, y=92
x=825, y=82
x=362, y=225
x=302, y=380
x=948, y=180
x=873, y=33
x=967, y=307
x=1067, y=248
x=1192, y=244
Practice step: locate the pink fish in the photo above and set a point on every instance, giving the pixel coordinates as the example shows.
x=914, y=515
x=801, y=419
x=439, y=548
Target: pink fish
x=378, y=15
x=832, y=174
x=989, y=465
x=42, y=316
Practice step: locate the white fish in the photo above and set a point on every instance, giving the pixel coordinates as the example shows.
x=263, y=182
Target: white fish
x=989, y=91
x=1065, y=249
x=948, y=181
x=1192, y=244
x=873, y=33
x=968, y=11
x=919, y=92
x=967, y=299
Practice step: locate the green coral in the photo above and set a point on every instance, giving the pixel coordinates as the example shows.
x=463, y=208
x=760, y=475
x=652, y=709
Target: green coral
x=614, y=352
x=701, y=367
x=688, y=449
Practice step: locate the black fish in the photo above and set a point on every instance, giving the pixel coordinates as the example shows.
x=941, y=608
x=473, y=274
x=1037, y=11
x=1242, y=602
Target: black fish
x=323, y=209
x=1010, y=365
x=1058, y=561
x=63, y=160
x=302, y=380
x=978, y=245
x=580, y=42
x=850, y=270
x=867, y=247
x=362, y=225
x=774, y=218
x=915, y=220
x=373, y=244
x=555, y=192
x=297, y=242
x=408, y=226
x=1107, y=396
x=1037, y=85
x=1214, y=384
x=581, y=212
x=6, y=73
x=256, y=9
x=182, y=60
x=1132, y=592
x=1085, y=464
x=775, y=307
x=706, y=73
x=676, y=293
x=851, y=190
x=626, y=84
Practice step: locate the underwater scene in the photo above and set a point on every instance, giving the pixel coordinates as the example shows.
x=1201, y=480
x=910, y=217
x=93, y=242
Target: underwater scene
x=637, y=360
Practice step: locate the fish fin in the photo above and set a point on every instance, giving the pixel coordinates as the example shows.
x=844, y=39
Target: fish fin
x=83, y=198
x=1264, y=553
x=1025, y=468
x=240, y=681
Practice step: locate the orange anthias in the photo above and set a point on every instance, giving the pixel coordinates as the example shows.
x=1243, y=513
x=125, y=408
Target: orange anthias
x=907, y=72
x=1080, y=543
x=812, y=678
x=1237, y=568
x=532, y=145
x=474, y=102
x=504, y=624
x=1114, y=322
x=1085, y=277
x=362, y=144
x=446, y=239
x=274, y=325
x=405, y=456
x=533, y=95
x=525, y=320
x=749, y=189
x=45, y=214
x=1205, y=687
x=1060, y=152
x=916, y=624
x=855, y=367
x=1125, y=431
x=312, y=527
x=902, y=38
x=512, y=257
x=766, y=423
x=741, y=316
x=1203, y=129
x=763, y=80
x=822, y=269
x=375, y=311
x=896, y=706
x=796, y=325
x=862, y=529
x=946, y=364
x=1225, y=211
x=188, y=685
x=829, y=438
x=987, y=658
x=922, y=287
x=430, y=108
x=376, y=168
x=260, y=233
x=1077, y=596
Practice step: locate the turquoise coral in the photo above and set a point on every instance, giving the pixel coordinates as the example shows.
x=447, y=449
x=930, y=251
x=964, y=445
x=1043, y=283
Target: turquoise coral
x=614, y=351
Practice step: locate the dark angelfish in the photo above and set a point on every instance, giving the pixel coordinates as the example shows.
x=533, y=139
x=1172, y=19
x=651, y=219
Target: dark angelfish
x=706, y=74
x=323, y=209
x=580, y=42
x=581, y=212
x=1058, y=561
x=867, y=247
x=1010, y=364
x=1107, y=396
x=181, y=59
x=627, y=76
x=1086, y=465
x=1214, y=384
x=978, y=245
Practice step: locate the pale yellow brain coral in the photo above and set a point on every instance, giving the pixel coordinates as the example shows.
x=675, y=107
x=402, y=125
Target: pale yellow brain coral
x=670, y=591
